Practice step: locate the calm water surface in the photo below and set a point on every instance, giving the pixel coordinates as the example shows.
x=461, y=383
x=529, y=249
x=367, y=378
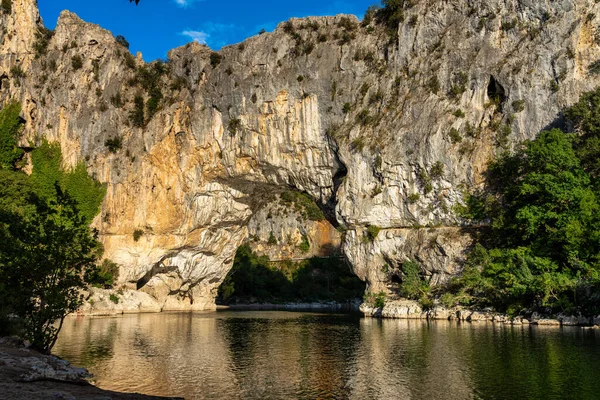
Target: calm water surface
x=287, y=355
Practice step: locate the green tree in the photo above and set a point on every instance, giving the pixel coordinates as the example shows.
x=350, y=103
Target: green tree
x=544, y=242
x=10, y=127
x=44, y=256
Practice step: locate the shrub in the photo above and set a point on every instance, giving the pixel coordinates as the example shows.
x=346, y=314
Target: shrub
x=358, y=144
x=437, y=170
x=455, y=136
x=17, y=71
x=215, y=59
x=518, y=105
x=136, y=116
x=7, y=6
x=347, y=108
x=114, y=298
x=372, y=232
x=376, y=300
x=105, y=275
x=76, y=62
x=413, y=286
x=122, y=41
x=348, y=24
x=272, y=239
x=413, y=198
x=434, y=85
x=137, y=234
x=130, y=60
x=116, y=100
x=300, y=78
x=364, y=117
x=304, y=246
x=459, y=113
x=234, y=126
x=113, y=144
x=42, y=39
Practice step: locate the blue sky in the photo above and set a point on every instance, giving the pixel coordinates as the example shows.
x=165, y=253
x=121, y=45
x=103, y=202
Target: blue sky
x=156, y=26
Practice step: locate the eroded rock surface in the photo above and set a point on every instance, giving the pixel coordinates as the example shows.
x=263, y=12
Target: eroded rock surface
x=380, y=132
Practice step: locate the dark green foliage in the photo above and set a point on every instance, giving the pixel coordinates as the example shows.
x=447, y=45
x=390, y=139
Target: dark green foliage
x=7, y=6
x=255, y=279
x=347, y=108
x=392, y=13
x=348, y=24
x=17, y=71
x=215, y=59
x=455, y=136
x=42, y=39
x=303, y=204
x=10, y=127
x=153, y=103
x=47, y=171
x=437, y=170
x=304, y=246
x=364, y=117
x=129, y=61
x=105, y=275
x=372, y=233
x=234, y=126
x=116, y=100
x=44, y=256
x=114, y=144
x=122, y=41
x=594, y=67
x=518, y=105
x=459, y=86
x=459, y=113
x=376, y=300
x=434, y=85
x=136, y=116
x=114, y=298
x=413, y=285
x=137, y=234
x=272, y=239
x=543, y=246
x=76, y=62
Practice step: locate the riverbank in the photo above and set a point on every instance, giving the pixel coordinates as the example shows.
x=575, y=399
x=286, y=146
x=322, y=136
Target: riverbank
x=409, y=309
x=26, y=374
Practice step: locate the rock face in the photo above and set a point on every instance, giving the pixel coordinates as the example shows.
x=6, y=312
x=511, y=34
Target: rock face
x=380, y=131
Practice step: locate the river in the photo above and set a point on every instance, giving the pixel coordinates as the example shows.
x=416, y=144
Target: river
x=289, y=355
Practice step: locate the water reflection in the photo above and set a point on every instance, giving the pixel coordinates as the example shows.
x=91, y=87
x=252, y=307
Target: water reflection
x=252, y=355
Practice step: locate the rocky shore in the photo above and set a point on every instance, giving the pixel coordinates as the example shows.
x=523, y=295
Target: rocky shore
x=408, y=309
x=26, y=374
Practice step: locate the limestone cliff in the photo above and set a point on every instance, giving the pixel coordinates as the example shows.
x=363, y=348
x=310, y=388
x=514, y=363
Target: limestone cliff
x=381, y=131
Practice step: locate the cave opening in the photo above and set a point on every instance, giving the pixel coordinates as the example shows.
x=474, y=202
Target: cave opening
x=255, y=279
x=496, y=93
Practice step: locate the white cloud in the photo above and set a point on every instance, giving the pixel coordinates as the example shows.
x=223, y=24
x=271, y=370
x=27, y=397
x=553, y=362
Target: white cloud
x=185, y=3
x=197, y=36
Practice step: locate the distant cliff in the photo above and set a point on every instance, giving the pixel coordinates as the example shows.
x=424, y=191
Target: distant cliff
x=385, y=132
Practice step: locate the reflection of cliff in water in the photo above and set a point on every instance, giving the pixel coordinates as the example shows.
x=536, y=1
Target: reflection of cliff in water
x=257, y=355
